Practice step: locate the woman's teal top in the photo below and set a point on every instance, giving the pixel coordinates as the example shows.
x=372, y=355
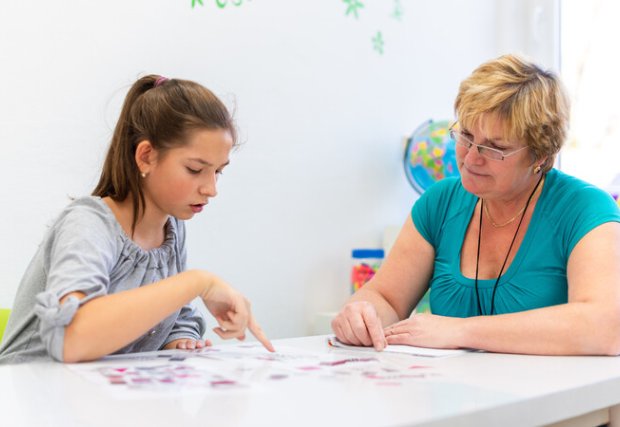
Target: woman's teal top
x=567, y=210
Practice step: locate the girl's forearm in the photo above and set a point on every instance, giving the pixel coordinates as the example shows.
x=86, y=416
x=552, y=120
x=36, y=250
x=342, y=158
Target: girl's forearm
x=106, y=324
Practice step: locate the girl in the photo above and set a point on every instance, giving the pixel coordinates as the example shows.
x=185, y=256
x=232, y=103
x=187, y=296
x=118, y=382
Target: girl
x=110, y=274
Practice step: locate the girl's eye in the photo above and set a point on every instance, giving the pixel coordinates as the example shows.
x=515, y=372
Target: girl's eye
x=193, y=171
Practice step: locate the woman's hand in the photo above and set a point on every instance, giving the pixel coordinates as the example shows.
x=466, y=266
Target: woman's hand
x=425, y=330
x=187, y=344
x=358, y=324
x=232, y=312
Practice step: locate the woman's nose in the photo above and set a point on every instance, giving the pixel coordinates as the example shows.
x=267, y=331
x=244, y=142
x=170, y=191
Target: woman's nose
x=473, y=154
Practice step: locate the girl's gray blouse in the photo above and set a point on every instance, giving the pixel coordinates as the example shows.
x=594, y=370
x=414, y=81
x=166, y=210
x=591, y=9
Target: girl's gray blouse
x=86, y=250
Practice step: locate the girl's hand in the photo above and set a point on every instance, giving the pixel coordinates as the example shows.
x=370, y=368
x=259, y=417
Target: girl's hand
x=232, y=312
x=425, y=330
x=358, y=324
x=187, y=344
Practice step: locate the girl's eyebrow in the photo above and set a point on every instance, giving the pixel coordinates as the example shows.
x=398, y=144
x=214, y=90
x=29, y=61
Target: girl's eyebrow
x=204, y=162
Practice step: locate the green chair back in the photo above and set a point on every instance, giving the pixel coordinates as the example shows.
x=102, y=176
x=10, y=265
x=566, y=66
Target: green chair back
x=4, y=318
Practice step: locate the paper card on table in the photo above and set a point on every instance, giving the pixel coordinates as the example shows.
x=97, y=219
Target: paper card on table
x=407, y=349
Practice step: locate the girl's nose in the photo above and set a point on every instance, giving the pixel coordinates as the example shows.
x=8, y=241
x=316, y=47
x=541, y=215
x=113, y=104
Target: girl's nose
x=209, y=187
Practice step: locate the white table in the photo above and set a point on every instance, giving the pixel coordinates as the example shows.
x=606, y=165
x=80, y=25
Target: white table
x=474, y=389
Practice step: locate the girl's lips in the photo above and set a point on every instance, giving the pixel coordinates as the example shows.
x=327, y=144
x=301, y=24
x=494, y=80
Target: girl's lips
x=197, y=208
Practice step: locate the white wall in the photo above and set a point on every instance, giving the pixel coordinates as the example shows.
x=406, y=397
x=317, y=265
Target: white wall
x=322, y=115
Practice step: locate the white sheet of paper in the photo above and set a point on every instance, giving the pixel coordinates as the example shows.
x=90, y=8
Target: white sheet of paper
x=414, y=351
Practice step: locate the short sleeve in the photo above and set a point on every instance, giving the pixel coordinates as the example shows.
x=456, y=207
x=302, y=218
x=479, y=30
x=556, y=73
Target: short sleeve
x=431, y=210
x=421, y=218
x=592, y=207
x=79, y=257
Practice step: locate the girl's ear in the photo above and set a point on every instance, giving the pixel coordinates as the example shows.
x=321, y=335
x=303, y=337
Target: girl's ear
x=145, y=156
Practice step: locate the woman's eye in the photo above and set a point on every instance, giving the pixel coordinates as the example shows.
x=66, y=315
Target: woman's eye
x=193, y=171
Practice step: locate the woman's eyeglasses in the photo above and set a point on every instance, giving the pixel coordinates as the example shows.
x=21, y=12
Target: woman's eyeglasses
x=488, y=152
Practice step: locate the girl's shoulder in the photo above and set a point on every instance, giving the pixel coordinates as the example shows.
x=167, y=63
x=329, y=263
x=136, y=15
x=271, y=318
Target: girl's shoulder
x=89, y=215
x=89, y=208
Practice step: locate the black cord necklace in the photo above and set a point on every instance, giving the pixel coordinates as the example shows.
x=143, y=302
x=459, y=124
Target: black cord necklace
x=529, y=199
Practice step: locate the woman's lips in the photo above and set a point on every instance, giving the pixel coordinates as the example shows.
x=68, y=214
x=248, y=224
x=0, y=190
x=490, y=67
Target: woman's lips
x=471, y=172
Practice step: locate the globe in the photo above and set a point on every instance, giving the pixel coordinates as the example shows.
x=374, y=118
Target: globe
x=430, y=155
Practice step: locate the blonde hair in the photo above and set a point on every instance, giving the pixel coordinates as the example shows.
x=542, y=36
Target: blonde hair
x=531, y=103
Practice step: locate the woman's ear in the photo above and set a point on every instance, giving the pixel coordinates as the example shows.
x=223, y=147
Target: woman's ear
x=145, y=157
x=543, y=162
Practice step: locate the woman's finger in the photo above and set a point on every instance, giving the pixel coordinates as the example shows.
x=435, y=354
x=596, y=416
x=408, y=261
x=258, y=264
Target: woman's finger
x=374, y=328
x=399, y=327
x=360, y=329
x=399, y=339
x=349, y=332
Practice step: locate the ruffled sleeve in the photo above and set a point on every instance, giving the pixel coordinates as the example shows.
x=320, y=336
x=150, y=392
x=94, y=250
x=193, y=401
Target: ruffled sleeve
x=53, y=318
x=79, y=257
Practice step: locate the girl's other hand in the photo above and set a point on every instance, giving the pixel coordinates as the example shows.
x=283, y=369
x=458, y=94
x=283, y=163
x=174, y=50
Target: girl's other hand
x=187, y=344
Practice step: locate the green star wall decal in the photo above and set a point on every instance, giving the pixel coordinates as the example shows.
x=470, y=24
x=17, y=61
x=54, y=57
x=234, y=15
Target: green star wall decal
x=378, y=43
x=353, y=6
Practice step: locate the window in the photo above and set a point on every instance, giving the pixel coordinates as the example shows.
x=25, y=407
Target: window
x=589, y=67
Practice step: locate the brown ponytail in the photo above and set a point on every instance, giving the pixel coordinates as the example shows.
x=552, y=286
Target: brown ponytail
x=161, y=111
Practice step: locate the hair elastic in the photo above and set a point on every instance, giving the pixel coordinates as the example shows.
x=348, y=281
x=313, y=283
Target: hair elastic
x=160, y=80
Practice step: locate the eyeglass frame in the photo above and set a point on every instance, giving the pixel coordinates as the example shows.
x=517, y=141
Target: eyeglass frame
x=482, y=149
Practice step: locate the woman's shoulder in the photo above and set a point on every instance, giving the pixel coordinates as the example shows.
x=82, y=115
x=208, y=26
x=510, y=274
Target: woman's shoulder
x=568, y=190
x=574, y=207
x=447, y=190
x=443, y=200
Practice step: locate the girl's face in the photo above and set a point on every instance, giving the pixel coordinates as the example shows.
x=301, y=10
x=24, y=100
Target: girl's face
x=488, y=178
x=181, y=180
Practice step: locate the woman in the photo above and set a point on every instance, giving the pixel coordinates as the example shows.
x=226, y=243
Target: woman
x=519, y=257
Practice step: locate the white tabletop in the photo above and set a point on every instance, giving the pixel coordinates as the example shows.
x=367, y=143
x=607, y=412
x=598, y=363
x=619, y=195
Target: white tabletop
x=473, y=389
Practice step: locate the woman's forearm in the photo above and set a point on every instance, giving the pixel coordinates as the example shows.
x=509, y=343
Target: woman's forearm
x=577, y=328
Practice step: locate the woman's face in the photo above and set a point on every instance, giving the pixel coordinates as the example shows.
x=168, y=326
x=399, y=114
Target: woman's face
x=489, y=178
x=182, y=180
